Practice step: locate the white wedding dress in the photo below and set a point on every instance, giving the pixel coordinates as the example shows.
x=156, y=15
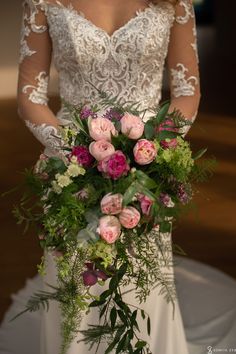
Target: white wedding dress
x=128, y=63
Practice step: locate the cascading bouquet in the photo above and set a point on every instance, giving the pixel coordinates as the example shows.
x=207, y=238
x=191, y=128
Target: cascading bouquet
x=102, y=205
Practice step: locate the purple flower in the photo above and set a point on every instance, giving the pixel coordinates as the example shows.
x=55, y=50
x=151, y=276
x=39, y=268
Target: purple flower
x=113, y=114
x=86, y=112
x=91, y=275
x=83, y=155
x=184, y=193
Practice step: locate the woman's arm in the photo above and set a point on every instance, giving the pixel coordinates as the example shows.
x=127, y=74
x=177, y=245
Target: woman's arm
x=182, y=62
x=34, y=67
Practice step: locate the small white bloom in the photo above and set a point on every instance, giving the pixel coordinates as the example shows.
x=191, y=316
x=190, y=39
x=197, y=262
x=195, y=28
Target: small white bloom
x=74, y=159
x=56, y=188
x=73, y=170
x=63, y=180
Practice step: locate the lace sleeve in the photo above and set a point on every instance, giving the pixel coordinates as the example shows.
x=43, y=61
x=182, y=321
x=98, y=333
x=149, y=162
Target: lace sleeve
x=34, y=66
x=182, y=62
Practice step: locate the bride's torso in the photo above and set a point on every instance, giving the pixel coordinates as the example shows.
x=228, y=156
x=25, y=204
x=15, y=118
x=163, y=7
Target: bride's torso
x=128, y=63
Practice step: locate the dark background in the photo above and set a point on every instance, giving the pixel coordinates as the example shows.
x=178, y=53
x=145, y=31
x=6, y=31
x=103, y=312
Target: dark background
x=207, y=234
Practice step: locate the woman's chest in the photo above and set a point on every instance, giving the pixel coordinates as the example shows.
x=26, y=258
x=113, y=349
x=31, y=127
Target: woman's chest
x=143, y=36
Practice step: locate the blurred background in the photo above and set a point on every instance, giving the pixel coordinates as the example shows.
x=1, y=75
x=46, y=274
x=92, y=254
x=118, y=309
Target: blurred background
x=209, y=233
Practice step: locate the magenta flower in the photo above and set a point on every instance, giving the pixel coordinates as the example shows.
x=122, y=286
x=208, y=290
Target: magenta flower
x=168, y=125
x=83, y=155
x=91, y=275
x=114, y=166
x=169, y=143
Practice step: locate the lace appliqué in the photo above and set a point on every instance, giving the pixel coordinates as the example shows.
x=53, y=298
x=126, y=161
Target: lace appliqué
x=39, y=93
x=189, y=12
x=183, y=86
x=49, y=136
x=24, y=48
x=29, y=25
x=194, y=44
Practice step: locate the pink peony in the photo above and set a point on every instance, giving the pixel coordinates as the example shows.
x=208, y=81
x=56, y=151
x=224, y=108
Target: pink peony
x=132, y=126
x=114, y=166
x=129, y=217
x=169, y=143
x=145, y=152
x=101, y=129
x=101, y=149
x=111, y=204
x=168, y=125
x=146, y=204
x=109, y=228
x=83, y=156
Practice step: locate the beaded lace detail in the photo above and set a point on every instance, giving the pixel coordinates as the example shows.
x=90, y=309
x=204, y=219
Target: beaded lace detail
x=129, y=63
x=183, y=86
x=38, y=93
x=188, y=12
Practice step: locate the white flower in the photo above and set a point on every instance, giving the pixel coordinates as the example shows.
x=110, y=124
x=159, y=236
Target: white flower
x=56, y=188
x=75, y=170
x=63, y=180
x=74, y=160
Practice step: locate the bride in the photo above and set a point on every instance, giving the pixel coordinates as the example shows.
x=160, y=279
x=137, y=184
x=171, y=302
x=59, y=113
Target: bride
x=120, y=47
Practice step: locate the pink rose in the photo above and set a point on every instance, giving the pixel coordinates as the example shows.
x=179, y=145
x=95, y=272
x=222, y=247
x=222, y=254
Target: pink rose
x=101, y=149
x=109, y=228
x=101, y=129
x=112, y=203
x=145, y=152
x=83, y=156
x=145, y=203
x=129, y=217
x=114, y=166
x=132, y=126
x=169, y=143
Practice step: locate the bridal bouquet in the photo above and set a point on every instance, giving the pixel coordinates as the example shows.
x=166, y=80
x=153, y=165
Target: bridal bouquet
x=101, y=206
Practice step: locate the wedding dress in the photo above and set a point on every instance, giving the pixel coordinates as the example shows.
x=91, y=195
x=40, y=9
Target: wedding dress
x=128, y=63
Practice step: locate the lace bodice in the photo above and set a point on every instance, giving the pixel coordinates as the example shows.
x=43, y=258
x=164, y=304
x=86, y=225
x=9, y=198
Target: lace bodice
x=128, y=63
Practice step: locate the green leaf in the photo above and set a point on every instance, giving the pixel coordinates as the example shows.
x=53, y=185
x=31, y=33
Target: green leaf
x=103, y=310
x=143, y=314
x=145, y=180
x=113, y=283
x=113, y=317
x=149, y=326
x=166, y=134
x=165, y=226
x=97, y=303
x=140, y=344
x=122, y=316
x=199, y=154
x=123, y=343
x=161, y=116
x=119, y=332
x=130, y=193
x=105, y=294
x=149, y=130
x=146, y=192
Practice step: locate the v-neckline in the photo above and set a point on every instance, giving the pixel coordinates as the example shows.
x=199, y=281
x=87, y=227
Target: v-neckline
x=138, y=13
